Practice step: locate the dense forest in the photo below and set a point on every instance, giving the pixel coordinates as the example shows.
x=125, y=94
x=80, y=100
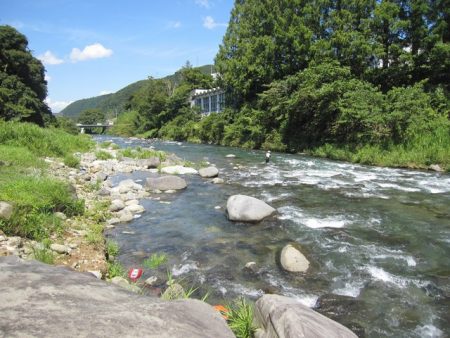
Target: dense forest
x=366, y=81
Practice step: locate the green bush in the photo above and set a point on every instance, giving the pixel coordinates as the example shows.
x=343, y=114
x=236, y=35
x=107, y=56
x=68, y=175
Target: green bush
x=155, y=260
x=112, y=248
x=240, y=318
x=71, y=161
x=103, y=155
x=115, y=269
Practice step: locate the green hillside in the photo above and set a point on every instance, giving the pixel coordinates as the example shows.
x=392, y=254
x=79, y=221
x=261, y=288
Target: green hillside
x=112, y=104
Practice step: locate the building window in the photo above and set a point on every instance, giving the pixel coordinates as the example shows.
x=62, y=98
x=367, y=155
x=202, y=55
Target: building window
x=214, y=103
x=221, y=101
x=198, y=103
x=205, y=105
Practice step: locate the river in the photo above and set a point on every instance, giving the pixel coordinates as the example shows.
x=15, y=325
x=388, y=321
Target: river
x=378, y=239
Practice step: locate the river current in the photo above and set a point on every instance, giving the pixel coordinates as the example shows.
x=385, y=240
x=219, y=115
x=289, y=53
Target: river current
x=378, y=239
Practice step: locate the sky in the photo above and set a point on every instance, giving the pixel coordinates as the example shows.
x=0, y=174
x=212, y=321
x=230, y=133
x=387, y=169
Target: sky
x=95, y=47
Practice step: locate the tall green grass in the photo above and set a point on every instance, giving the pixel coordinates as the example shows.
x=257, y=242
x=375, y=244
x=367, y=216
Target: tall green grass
x=41, y=141
x=24, y=181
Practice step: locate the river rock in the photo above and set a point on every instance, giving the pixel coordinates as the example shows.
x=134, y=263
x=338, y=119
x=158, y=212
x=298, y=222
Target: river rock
x=60, y=248
x=126, y=186
x=164, y=183
x=132, y=202
x=96, y=273
x=60, y=215
x=209, y=172
x=125, y=216
x=293, y=260
x=151, y=281
x=6, y=210
x=116, y=205
x=100, y=177
x=247, y=209
x=178, y=170
x=174, y=291
x=217, y=180
x=278, y=316
x=149, y=163
x=135, y=208
x=123, y=283
x=104, y=192
x=435, y=167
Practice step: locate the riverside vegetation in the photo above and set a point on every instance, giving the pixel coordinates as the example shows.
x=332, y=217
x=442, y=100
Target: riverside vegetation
x=55, y=225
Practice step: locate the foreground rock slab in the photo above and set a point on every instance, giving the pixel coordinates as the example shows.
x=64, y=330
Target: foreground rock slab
x=247, y=209
x=57, y=302
x=279, y=316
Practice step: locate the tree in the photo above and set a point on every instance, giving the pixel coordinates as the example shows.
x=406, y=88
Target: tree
x=22, y=84
x=91, y=116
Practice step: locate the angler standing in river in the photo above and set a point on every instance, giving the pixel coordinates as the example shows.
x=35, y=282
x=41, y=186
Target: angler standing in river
x=267, y=156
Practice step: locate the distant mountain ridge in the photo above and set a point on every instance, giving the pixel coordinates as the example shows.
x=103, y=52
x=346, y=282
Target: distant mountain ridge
x=112, y=104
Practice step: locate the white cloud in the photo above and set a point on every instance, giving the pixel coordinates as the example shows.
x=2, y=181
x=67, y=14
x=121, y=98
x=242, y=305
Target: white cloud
x=174, y=24
x=57, y=106
x=203, y=3
x=48, y=58
x=95, y=51
x=104, y=92
x=209, y=23
x=47, y=78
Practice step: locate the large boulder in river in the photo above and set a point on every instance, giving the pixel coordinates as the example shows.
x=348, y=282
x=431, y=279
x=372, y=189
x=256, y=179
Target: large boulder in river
x=164, y=183
x=209, y=172
x=149, y=163
x=278, y=316
x=247, y=209
x=53, y=301
x=178, y=170
x=293, y=260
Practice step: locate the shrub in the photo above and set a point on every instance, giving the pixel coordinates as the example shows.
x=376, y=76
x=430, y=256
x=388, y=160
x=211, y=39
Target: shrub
x=240, y=318
x=115, y=269
x=103, y=155
x=112, y=248
x=155, y=260
x=71, y=161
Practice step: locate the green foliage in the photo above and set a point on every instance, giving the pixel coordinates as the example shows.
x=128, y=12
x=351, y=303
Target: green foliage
x=42, y=142
x=22, y=84
x=142, y=153
x=155, y=260
x=67, y=124
x=115, y=269
x=95, y=234
x=91, y=116
x=103, y=155
x=44, y=254
x=71, y=161
x=126, y=124
x=21, y=157
x=112, y=249
x=240, y=318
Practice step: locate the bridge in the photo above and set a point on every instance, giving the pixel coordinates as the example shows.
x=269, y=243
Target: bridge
x=84, y=127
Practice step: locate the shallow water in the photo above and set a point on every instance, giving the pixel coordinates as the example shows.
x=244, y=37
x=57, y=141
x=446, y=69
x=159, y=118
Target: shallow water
x=378, y=239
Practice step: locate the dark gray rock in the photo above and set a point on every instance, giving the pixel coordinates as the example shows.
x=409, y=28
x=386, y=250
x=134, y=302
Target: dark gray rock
x=164, y=183
x=279, y=316
x=247, y=209
x=149, y=163
x=57, y=302
x=209, y=172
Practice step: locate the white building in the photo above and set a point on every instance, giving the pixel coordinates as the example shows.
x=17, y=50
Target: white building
x=208, y=100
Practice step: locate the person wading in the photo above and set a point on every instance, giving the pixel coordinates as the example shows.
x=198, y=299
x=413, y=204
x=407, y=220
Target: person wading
x=267, y=156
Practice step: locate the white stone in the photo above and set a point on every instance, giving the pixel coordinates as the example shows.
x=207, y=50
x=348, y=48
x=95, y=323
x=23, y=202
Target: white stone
x=126, y=216
x=293, y=260
x=132, y=202
x=230, y=156
x=6, y=210
x=247, y=209
x=179, y=170
x=217, y=180
x=96, y=273
x=209, y=172
x=135, y=208
x=60, y=248
x=116, y=205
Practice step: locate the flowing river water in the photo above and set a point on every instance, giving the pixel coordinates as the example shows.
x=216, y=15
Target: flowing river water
x=378, y=239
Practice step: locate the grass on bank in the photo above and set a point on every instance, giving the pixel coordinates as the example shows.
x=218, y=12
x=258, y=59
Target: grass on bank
x=240, y=318
x=24, y=181
x=155, y=260
x=142, y=153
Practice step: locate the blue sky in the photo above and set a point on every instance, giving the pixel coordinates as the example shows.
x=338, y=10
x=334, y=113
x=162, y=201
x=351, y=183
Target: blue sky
x=92, y=47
